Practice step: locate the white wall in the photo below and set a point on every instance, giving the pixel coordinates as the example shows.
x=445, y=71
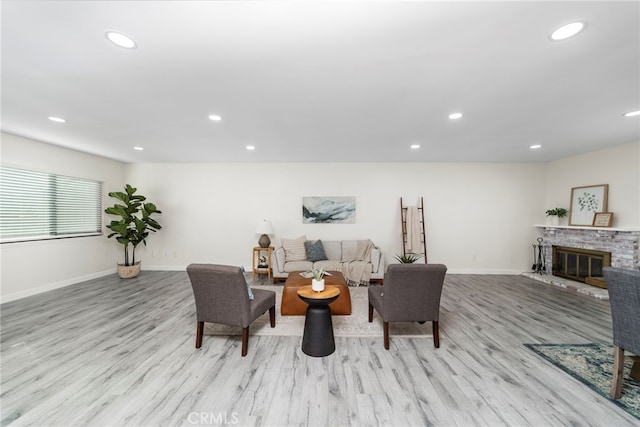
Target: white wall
x=479, y=217
x=33, y=267
x=618, y=166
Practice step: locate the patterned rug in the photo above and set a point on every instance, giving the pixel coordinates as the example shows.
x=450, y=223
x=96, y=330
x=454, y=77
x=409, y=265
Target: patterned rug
x=355, y=325
x=592, y=364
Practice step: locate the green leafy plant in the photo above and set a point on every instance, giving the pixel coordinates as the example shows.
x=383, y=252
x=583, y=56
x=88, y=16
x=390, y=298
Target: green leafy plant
x=135, y=221
x=559, y=212
x=317, y=274
x=408, y=258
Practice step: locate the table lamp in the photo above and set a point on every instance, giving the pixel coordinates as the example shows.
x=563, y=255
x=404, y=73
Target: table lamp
x=264, y=228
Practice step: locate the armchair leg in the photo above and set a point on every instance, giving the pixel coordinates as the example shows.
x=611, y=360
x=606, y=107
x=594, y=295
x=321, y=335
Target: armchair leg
x=370, y=313
x=436, y=334
x=618, y=368
x=245, y=341
x=386, y=335
x=272, y=316
x=199, y=333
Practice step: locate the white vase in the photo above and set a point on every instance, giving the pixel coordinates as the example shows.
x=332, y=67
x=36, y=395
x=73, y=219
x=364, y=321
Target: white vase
x=555, y=220
x=317, y=285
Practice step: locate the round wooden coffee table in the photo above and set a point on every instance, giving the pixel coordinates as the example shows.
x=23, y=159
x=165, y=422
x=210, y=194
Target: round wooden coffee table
x=318, y=340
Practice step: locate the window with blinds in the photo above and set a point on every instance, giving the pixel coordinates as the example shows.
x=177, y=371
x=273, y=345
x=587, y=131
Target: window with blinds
x=38, y=206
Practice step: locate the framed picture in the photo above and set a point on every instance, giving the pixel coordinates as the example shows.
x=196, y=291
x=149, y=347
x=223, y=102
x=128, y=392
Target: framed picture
x=586, y=201
x=602, y=219
x=335, y=210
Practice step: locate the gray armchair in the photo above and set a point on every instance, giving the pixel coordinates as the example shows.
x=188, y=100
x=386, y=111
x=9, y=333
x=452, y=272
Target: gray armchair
x=624, y=296
x=411, y=292
x=221, y=296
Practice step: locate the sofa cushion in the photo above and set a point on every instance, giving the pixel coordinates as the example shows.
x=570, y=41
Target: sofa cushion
x=328, y=265
x=353, y=250
x=315, y=250
x=349, y=250
x=333, y=249
x=294, y=249
x=290, y=266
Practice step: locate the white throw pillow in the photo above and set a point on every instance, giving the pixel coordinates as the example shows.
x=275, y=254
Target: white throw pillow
x=294, y=249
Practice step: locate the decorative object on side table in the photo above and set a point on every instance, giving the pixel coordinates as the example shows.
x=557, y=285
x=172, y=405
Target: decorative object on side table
x=133, y=227
x=264, y=228
x=317, y=283
x=586, y=201
x=556, y=214
x=602, y=219
x=408, y=258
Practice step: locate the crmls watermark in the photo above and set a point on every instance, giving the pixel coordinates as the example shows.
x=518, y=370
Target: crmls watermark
x=211, y=418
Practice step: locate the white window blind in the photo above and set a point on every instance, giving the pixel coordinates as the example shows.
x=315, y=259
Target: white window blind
x=36, y=205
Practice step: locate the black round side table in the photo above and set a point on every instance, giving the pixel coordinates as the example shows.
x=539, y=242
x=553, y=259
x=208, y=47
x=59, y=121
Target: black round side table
x=318, y=340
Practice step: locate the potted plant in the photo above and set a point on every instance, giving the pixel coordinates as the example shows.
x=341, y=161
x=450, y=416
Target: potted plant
x=556, y=214
x=133, y=227
x=408, y=258
x=317, y=283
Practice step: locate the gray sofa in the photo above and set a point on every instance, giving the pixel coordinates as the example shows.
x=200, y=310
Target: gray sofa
x=341, y=255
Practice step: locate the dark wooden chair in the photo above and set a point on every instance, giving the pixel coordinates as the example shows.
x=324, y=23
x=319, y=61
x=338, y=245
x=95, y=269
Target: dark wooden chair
x=411, y=292
x=222, y=297
x=624, y=296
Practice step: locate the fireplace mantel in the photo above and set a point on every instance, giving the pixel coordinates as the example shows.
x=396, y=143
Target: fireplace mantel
x=576, y=227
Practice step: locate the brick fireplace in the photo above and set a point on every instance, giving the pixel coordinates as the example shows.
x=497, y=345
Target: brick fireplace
x=622, y=244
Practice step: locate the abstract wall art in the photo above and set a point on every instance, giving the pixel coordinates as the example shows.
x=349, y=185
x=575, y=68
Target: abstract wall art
x=334, y=210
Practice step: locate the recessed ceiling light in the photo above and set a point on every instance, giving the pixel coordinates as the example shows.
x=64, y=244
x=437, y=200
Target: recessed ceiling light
x=215, y=117
x=250, y=147
x=57, y=119
x=120, y=39
x=535, y=146
x=568, y=30
x=632, y=113
x=415, y=146
x=138, y=148
x=455, y=116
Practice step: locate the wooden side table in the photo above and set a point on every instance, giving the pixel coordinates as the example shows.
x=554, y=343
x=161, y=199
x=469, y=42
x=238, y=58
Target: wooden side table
x=256, y=267
x=318, y=340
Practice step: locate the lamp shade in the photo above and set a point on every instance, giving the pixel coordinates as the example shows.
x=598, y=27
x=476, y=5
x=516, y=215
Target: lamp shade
x=264, y=227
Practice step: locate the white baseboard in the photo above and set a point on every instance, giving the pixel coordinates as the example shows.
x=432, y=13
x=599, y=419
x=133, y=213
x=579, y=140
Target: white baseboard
x=56, y=285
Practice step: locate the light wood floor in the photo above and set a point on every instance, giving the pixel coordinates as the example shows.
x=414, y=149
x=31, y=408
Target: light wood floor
x=114, y=352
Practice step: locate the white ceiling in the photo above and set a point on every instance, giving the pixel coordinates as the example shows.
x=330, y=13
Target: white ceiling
x=322, y=81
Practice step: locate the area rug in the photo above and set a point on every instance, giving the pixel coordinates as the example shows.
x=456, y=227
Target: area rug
x=355, y=325
x=592, y=364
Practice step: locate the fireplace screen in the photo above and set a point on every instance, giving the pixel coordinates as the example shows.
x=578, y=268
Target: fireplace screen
x=584, y=265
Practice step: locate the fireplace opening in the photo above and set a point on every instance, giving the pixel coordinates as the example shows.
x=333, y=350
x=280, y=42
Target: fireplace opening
x=583, y=265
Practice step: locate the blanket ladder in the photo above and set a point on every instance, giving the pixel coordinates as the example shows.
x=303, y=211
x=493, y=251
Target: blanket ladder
x=405, y=233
